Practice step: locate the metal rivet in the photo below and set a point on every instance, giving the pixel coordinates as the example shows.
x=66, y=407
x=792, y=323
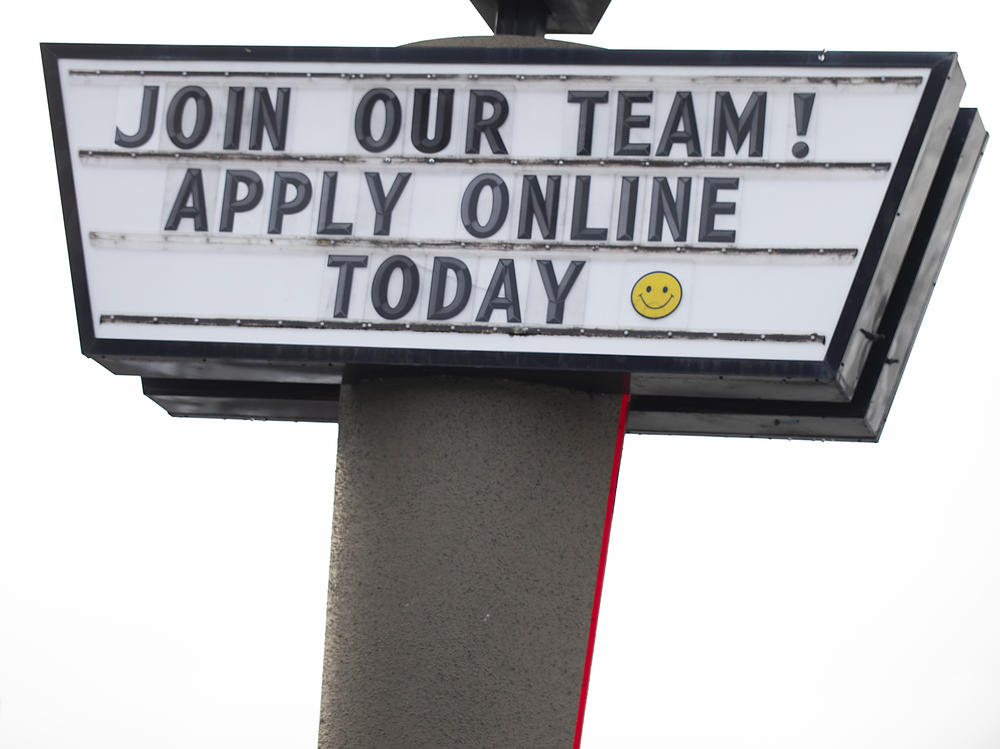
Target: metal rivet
x=430, y=160
x=625, y=332
x=388, y=160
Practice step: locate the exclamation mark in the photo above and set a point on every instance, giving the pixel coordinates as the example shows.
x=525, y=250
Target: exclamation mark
x=803, y=111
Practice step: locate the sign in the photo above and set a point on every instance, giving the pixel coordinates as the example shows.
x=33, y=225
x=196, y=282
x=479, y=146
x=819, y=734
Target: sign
x=720, y=225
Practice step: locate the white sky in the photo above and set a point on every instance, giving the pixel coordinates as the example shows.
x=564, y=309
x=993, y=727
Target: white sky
x=163, y=581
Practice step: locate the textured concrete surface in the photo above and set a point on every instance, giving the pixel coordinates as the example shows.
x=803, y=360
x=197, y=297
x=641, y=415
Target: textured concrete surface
x=503, y=41
x=467, y=530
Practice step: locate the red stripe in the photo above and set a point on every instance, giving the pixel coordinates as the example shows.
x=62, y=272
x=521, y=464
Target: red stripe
x=609, y=511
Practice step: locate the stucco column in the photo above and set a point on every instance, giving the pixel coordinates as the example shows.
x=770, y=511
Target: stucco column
x=468, y=524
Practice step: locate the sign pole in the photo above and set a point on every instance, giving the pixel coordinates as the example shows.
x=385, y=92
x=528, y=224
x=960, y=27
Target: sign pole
x=470, y=526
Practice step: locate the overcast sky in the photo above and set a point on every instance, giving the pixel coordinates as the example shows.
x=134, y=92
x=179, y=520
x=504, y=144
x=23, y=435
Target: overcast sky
x=163, y=581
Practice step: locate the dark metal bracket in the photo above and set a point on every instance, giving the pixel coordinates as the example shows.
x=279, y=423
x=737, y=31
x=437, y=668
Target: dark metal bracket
x=540, y=17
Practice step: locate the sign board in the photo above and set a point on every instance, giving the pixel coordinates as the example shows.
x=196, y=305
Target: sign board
x=723, y=226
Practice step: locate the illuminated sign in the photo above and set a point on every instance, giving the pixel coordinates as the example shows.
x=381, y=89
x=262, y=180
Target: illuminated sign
x=685, y=217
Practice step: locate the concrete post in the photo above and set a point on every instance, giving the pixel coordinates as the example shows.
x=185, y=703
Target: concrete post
x=468, y=523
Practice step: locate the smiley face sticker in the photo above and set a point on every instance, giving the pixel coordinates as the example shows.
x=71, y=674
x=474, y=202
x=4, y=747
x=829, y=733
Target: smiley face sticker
x=656, y=294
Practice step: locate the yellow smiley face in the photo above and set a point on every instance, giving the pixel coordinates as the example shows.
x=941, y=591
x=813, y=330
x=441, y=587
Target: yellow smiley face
x=656, y=294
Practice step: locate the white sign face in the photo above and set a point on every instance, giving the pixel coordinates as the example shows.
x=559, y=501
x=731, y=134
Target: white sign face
x=674, y=213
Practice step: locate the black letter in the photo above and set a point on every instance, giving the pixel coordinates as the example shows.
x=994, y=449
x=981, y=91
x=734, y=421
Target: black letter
x=534, y=206
x=665, y=206
x=192, y=189
x=234, y=119
x=326, y=223
x=421, y=120
x=505, y=278
x=626, y=121
x=202, y=117
x=581, y=206
x=437, y=309
x=585, y=130
x=147, y=118
x=470, y=205
x=363, y=119
x=347, y=264
x=384, y=204
x=408, y=294
x=557, y=292
x=626, y=208
x=231, y=204
x=280, y=207
x=266, y=115
x=750, y=122
x=490, y=126
x=681, y=113
x=710, y=208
